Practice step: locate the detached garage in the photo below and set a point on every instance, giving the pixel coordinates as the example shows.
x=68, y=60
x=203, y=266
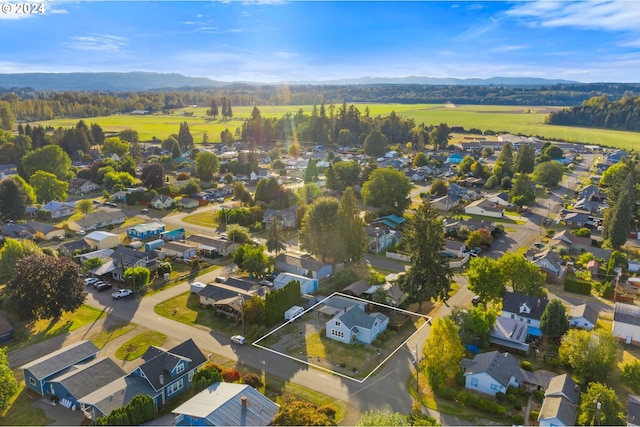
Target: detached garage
x=179, y=250
x=307, y=286
x=102, y=240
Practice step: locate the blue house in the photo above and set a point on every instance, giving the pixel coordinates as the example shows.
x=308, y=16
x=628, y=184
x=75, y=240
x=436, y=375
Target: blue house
x=169, y=372
x=173, y=235
x=81, y=380
x=39, y=373
x=616, y=156
x=145, y=231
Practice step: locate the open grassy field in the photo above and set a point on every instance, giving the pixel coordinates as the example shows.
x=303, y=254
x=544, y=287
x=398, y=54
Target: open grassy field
x=514, y=119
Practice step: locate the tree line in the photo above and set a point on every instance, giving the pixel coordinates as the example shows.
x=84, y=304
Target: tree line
x=599, y=112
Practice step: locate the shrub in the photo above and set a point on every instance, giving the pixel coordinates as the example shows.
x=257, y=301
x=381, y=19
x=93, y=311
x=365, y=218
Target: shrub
x=182, y=176
x=607, y=290
x=538, y=395
x=517, y=420
x=328, y=410
x=533, y=415
x=445, y=393
x=230, y=375
x=460, y=379
x=253, y=380
x=501, y=396
x=577, y=286
x=511, y=397
x=345, y=277
x=164, y=267
x=517, y=406
x=526, y=365
x=630, y=375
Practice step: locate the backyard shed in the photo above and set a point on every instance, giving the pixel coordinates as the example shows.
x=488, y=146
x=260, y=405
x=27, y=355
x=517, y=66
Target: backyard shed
x=307, y=286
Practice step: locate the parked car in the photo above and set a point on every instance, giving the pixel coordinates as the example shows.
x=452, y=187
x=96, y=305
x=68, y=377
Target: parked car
x=95, y=202
x=81, y=232
x=122, y=293
x=220, y=279
x=238, y=339
x=101, y=286
x=476, y=300
x=145, y=210
x=60, y=238
x=91, y=280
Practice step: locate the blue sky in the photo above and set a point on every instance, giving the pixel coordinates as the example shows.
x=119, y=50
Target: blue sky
x=272, y=41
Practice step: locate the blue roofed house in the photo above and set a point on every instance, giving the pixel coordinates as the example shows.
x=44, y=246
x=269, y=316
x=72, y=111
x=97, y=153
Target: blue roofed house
x=307, y=285
x=59, y=209
x=353, y=324
x=227, y=404
x=146, y=231
x=616, y=156
x=525, y=309
x=455, y=158
x=392, y=221
x=39, y=373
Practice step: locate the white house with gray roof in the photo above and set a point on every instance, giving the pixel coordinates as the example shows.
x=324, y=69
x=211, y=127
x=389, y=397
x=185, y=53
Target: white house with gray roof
x=491, y=372
x=626, y=323
x=303, y=265
x=583, y=316
x=354, y=324
x=559, y=407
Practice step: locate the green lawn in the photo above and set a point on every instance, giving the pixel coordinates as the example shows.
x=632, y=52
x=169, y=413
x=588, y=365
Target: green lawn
x=20, y=412
x=109, y=334
x=206, y=219
x=527, y=120
x=41, y=330
x=137, y=345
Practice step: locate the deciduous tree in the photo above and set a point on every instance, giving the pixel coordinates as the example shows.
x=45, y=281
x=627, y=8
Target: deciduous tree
x=13, y=251
x=59, y=287
x=50, y=158
x=300, y=413
x=548, y=174
x=485, y=279
x=375, y=144
x=387, y=189
x=137, y=277
x=420, y=160
x=600, y=406
x=207, y=164
x=84, y=206
x=48, y=187
x=238, y=234
x=8, y=382
x=319, y=228
x=253, y=260
x=115, y=146
x=442, y=351
x=15, y=196
x=430, y=275
x=591, y=355
x=153, y=176
x=523, y=276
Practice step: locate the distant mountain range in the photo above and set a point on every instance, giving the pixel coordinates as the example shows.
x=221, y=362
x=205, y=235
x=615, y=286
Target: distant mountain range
x=142, y=81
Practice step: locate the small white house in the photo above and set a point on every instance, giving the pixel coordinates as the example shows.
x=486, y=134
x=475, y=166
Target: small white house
x=626, y=323
x=307, y=285
x=583, y=316
x=179, y=250
x=484, y=208
x=491, y=372
x=162, y=202
x=355, y=325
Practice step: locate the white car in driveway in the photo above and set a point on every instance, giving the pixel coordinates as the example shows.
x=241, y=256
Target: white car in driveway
x=122, y=293
x=91, y=280
x=238, y=339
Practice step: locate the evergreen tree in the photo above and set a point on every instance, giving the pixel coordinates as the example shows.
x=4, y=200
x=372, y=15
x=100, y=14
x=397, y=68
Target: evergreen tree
x=506, y=158
x=332, y=180
x=184, y=137
x=213, y=111
x=554, y=322
x=275, y=237
x=618, y=221
x=430, y=275
x=311, y=173
x=350, y=230
x=525, y=159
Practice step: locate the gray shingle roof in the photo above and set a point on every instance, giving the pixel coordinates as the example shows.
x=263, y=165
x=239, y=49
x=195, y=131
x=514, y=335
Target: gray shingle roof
x=627, y=313
x=302, y=261
x=90, y=377
x=586, y=311
x=97, y=217
x=160, y=362
x=633, y=414
x=61, y=359
x=501, y=366
x=357, y=288
x=563, y=385
x=558, y=407
x=355, y=317
x=512, y=303
x=118, y=393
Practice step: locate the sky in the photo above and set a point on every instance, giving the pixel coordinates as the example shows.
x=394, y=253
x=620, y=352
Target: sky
x=289, y=41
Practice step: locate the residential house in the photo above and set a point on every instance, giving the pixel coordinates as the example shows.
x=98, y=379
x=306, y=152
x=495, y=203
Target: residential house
x=626, y=323
x=454, y=249
x=82, y=186
x=38, y=373
x=7, y=170
x=163, y=376
x=593, y=267
x=588, y=191
x=484, y=208
x=524, y=308
x=492, y=372
x=395, y=295
x=594, y=204
x=213, y=246
x=124, y=257
x=102, y=240
x=550, y=263
x=59, y=209
x=455, y=159
x=583, y=316
x=633, y=266
x=6, y=329
x=354, y=324
x=98, y=219
x=227, y=404
x=228, y=298
x=559, y=407
x=444, y=203
x=576, y=219
x=81, y=380
x=162, y=202
x=303, y=265
x=500, y=199
x=570, y=241
x=173, y=235
x=394, y=222
x=188, y=203
x=69, y=249
x=380, y=238
x=357, y=288
x=179, y=250
x=456, y=191
x=510, y=335
x=615, y=156
x=307, y=285
x=286, y=217
x=32, y=230
x=633, y=411
x=146, y=231
x=453, y=226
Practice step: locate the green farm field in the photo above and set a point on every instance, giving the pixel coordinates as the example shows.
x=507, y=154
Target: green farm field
x=513, y=119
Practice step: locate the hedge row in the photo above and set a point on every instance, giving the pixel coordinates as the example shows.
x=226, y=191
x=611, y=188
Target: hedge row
x=577, y=286
x=481, y=403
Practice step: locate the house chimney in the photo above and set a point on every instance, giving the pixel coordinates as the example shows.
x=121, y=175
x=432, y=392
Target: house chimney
x=243, y=400
x=161, y=379
x=538, y=302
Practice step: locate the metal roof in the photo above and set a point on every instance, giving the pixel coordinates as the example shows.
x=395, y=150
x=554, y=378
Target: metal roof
x=58, y=360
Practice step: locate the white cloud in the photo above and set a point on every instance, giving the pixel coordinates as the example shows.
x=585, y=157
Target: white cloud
x=599, y=15
x=477, y=30
x=475, y=6
x=508, y=48
x=285, y=55
x=97, y=42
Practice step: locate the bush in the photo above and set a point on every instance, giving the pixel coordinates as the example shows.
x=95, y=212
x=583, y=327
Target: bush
x=607, y=290
x=460, y=379
x=253, y=380
x=230, y=375
x=511, y=397
x=328, y=410
x=481, y=403
x=345, y=277
x=538, y=395
x=517, y=406
x=533, y=415
x=517, y=420
x=526, y=365
x=501, y=396
x=630, y=375
x=183, y=176
x=164, y=267
x=445, y=393
x=577, y=286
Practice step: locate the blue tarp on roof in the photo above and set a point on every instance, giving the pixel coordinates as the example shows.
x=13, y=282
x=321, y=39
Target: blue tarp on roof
x=534, y=331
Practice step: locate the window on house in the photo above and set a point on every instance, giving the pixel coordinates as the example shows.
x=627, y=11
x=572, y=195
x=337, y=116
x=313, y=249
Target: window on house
x=175, y=387
x=495, y=387
x=513, y=316
x=32, y=381
x=528, y=320
x=474, y=382
x=191, y=373
x=337, y=323
x=179, y=368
